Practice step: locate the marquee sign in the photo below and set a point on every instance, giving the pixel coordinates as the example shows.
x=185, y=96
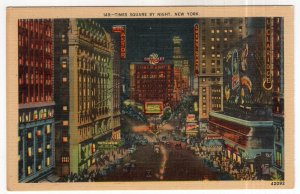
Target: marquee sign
x=154, y=59
x=122, y=30
x=268, y=76
x=196, y=49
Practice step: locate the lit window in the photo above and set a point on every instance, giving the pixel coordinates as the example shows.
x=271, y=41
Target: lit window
x=225, y=39
x=225, y=31
x=48, y=146
x=48, y=129
x=29, y=152
x=212, y=31
x=230, y=30
x=203, y=48
x=65, y=108
x=212, y=47
x=64, y=64
x=38, y=133
x=29, y=170
x=65, y=123
x=218, y=39
x=40, y=150
x=65, y=139
x=29, y=135
x=218, y=31
x=48, y=161
x=39, y=167
x=64, y=51
x=212, y=39
x=64, y=79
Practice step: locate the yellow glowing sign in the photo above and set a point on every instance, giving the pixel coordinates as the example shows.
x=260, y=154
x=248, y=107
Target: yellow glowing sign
x=153, y=107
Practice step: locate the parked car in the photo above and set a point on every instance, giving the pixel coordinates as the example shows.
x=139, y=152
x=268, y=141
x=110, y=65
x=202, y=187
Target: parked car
x=148, y=173
x=126, y=167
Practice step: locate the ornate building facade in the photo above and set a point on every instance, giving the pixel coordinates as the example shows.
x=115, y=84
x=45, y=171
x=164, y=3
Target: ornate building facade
x=36, y=103
x=84, y=57
x=150, y=83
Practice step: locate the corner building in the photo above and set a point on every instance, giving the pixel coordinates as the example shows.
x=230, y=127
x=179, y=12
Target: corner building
x=36, y=103
x=84, y=65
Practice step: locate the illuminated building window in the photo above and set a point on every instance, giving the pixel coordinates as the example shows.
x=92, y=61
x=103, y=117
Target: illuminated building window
x=28, y=170
x=225, y=39
x=39, y=167
x=39, y=150
x=48, y=129
x=218, y=31
x=29, y=135
x=218, y=39
x=230, y=30
x=212, y=39
x=64, y=79
x=212, y=31
x=213, y=62
x=38, y=133
x=212, y=47
x=213, y=55
x=29, y=152
x=65, y=123
x=64, y=51
x=65, y=108
x=278, y=156
x=65, y=139
x=48, y=147
x=218, y=55
x=203, y=80
x=203, y=56
x=203, y=63
x=64, y=64
x=203, y=48
x=48, y=161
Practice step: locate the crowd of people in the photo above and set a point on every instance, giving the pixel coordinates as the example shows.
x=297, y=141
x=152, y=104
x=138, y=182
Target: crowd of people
x=103, y=164
x=236, y=170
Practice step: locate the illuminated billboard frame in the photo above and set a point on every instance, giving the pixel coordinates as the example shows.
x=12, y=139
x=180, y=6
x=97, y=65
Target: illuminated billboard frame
x=157, y=110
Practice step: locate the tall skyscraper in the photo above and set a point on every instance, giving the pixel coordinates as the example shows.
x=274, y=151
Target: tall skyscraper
x=84, y=56
x=215, y=36
x=36, y=102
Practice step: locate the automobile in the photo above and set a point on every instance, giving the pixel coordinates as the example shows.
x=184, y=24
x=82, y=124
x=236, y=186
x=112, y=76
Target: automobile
x=176, y=139
x=131, y=150
x=148, y=173
x=126, y=167
x=156, y=148
x=183, y=139
x=132, y=163
x=168, y=143
x=144, y=142
x=197, y=153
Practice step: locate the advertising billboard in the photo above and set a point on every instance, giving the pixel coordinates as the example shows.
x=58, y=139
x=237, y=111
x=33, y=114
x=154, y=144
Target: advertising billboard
x=245, y=72
x=153, y=107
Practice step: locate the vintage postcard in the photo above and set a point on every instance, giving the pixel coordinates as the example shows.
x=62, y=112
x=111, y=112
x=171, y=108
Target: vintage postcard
x=150, y=98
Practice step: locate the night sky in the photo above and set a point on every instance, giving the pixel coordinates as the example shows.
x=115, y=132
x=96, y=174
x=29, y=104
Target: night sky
x=145, y=36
